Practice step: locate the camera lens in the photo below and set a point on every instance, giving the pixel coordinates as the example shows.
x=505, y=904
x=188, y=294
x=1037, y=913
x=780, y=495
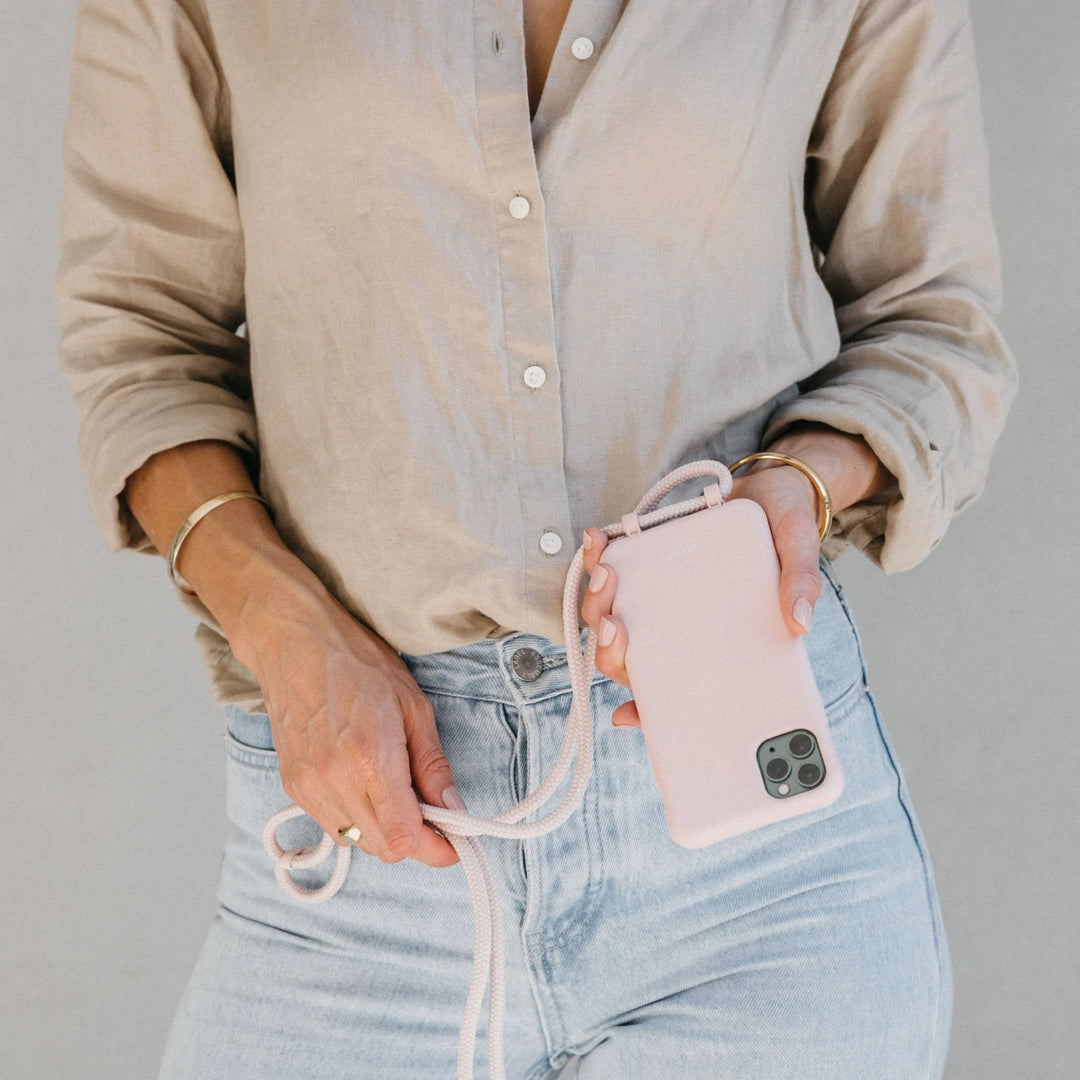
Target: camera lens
x=800, y=745
x=809, y=774
x=777, y=768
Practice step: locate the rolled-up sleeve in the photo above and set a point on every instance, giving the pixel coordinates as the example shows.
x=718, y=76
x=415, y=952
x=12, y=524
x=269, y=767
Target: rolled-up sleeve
x=898, y=206
x=149, y=286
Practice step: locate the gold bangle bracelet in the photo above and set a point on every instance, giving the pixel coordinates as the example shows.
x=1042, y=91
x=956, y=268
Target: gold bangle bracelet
x=811, y=475
x=192, y=520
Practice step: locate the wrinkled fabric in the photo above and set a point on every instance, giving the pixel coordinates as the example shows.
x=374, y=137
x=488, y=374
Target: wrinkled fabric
x=447, y=338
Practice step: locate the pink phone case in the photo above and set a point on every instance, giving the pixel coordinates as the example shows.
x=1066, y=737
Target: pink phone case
x=719, y=680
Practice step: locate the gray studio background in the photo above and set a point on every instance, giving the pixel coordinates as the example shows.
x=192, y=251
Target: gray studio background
x=111, y=757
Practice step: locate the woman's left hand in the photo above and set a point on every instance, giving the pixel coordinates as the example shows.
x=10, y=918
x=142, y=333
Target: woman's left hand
x=851, y=472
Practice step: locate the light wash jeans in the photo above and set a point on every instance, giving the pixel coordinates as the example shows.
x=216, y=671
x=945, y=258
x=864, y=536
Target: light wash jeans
x=813, y=947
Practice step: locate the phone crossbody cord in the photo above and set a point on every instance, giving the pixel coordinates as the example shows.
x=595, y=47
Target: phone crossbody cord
x=462, y=829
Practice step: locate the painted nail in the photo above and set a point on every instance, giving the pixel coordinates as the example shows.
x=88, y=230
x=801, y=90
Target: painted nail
x=597, y=578
x=803, y=612
x=586, y=539
x=452, y=800
x=607, y=630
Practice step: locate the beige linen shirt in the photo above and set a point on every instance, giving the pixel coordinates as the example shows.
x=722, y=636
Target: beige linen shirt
x=447, y=339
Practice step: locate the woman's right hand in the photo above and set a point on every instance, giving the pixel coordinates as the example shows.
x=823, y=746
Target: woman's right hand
x=352, y=729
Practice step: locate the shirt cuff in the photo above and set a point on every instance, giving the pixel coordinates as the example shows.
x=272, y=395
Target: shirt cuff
x=898, y=527
x=140, y=422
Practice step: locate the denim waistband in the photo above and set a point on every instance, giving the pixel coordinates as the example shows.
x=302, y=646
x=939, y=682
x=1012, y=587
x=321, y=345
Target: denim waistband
x=515, y=668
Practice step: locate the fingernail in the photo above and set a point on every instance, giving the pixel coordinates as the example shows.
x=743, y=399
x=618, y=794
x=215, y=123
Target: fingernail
x=803, y=612
x=598, y=577
x=607, y=630
x=586, y=539
x=452, y=800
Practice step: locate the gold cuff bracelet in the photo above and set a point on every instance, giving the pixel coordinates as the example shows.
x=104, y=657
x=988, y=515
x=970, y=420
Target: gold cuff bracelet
x=811, y=475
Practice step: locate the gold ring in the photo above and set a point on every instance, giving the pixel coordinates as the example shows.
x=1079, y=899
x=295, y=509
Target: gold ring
x=811, y=475
x=351, y=834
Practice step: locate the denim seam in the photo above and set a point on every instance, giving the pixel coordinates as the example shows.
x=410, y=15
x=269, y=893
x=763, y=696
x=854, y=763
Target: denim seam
x=520, y=698
x=827, y=572
x=568, y=691
x=594, y=843
x=538, y=975
x=462, y=695
x=923, y=860
x=539, y=946
x=504, y=720
x=519, y=763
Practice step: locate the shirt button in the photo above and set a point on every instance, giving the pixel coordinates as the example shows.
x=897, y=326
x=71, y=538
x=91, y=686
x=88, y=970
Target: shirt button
x=519, y=206
x=534, y=376
x=550, y=543
x=582, y=48
x=527, y=663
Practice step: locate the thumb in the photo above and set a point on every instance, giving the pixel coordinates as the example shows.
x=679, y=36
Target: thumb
x=797, y=545
x=432, y=775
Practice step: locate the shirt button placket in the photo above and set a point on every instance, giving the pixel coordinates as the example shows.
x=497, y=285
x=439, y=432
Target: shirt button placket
x=514, y=148
x=534, y=376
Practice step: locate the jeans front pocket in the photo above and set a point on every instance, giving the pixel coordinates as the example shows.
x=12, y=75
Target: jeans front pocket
x=834, y=649
x=249, y=735
x=253, y=790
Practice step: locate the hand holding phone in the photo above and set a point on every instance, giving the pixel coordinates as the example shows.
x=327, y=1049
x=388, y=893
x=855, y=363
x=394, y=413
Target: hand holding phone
x=733, y=721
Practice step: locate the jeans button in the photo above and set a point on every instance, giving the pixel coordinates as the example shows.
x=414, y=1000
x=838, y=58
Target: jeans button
x=527, y=663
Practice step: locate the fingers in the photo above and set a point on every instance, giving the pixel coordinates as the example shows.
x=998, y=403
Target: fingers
x=364, y=778
x=431, y=775
x=789, y=501
x=797, y=541
x=388, y=784
x=351, y=726
x=596, y=610
x=311, y=793
x=594, y=541
x=410, y=754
